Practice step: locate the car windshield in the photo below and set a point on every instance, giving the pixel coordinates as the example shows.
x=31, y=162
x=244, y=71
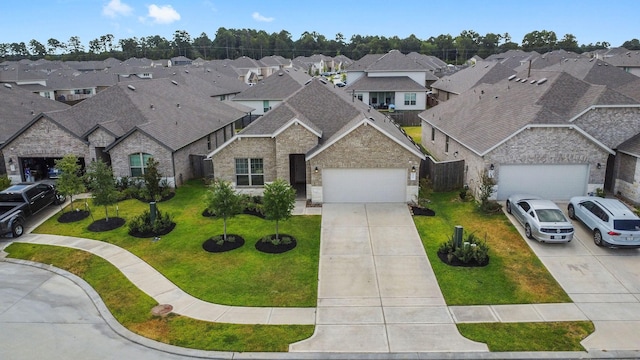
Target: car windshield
x=550, y=215
x=628, y=225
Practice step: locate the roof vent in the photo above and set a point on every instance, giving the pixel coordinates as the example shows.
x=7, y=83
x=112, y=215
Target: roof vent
x=187, y=71
x=152, y=107
x=280, y=74
x=8, y=86
x=131, y=87
x=308, y=81
x=174, y=82
x=512, y=77
x=542, y=81
x=533, y=81
x=178, y=106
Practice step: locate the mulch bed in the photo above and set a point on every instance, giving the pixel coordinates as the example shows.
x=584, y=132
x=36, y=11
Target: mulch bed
x=104, y=225
x=422, y=211
x=73, y=216
x=268, y=247
x=456, y=262
x=211, y=244
x=149, y=234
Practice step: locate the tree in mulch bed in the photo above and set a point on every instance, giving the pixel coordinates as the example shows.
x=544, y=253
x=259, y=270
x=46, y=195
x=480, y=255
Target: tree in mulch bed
x=104, y=193
x=219, y=243
x=424, y=191
x=471, y=252
x=278, y=202
x=143, y=226
x=70, y=183
x=487, y=187
x=225, y=203
x=154, y=188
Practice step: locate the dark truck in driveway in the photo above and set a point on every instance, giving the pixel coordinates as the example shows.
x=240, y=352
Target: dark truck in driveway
x=18, y=202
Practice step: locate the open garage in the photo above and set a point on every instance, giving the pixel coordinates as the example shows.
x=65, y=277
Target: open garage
x=554, y=182
x=364, y=185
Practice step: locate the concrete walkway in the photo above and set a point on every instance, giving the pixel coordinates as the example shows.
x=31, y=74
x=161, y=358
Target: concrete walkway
x=377, y=291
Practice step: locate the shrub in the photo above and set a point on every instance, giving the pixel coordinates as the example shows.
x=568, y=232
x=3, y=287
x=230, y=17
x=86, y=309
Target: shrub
x=4, y=182
x=600, y=192
x=471, y=251
x=141, y=224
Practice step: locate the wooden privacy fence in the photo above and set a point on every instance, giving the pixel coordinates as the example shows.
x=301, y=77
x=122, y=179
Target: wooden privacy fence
x=445, y=175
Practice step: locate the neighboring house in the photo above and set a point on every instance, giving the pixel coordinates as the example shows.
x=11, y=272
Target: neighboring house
x=248, y=69
x=17, y=108
x=181, y=61
x=542, y=132
x=270, y=92
x=274, y=63
x=628, y=61
x=126, y=124
x=329, y=147
x=488, y=72
x=381, y=81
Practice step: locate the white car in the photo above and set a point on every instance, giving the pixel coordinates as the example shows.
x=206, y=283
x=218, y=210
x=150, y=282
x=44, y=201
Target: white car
x=542, y=219
x=613, y=224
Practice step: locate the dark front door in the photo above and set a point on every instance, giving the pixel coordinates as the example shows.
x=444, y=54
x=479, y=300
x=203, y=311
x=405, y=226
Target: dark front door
x=298, y=174
x=608, y=175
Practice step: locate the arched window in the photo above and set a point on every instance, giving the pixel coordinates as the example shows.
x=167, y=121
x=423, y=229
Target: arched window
x=138, y=163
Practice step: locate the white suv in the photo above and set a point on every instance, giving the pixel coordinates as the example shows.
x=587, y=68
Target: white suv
x=612, y=222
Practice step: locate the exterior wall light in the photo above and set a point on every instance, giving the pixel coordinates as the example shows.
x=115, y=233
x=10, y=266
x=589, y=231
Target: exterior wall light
x=413, y=169
x=315, y=170
x=491, y=167
x=599, y=166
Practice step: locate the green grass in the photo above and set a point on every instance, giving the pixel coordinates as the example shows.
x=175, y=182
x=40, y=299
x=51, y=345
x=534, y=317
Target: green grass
x=551, y=336
x=514, y=275
x=131, y=307
x=415, y=132
x=242, y=277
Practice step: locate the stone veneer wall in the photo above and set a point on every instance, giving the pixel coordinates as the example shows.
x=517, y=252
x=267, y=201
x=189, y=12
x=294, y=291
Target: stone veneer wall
x=628, y=174
x=363, y=148
x=612, y=125
x=99, y=138
x=43, y=139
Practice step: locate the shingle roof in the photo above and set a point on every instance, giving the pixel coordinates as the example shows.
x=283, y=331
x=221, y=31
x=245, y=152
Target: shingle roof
x=394, y=60
x=486, y=115
x=631, y=146
x=18, y=107
x=396, y=83
x=309, y=105
x=175, y=115
x=488, y=72
x=278, y=86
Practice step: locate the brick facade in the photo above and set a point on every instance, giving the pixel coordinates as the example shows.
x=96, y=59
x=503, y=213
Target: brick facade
x=627, y=183
x=224, y=164
x=296, y=139
x=611, y=125
x=137, y=142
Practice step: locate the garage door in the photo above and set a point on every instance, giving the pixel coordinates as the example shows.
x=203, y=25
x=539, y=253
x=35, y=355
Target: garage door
x=554, y=182
x=364, y=185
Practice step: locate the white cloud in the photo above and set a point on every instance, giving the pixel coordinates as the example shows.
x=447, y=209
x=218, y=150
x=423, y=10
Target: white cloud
x=164, y=14
x=115, y=8
x=257, y=17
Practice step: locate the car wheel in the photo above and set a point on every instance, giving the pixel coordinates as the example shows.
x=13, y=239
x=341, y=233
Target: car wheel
x=597, y=238
x=572, y=212
x=508, y=207
x=17, y=229
x=59, y=199
x=527, y=231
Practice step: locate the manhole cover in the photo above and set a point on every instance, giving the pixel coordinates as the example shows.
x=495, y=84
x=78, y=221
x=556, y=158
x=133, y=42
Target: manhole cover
x=161, y=310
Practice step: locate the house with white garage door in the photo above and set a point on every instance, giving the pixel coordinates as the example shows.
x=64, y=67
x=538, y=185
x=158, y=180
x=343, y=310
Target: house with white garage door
x=330, y=147
x=543, y=132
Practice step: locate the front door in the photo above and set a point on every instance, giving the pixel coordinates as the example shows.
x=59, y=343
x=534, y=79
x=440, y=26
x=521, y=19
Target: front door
x=298, y=174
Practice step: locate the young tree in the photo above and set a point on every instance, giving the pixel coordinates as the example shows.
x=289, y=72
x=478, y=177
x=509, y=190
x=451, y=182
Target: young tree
x=223, y=201
x=103, y=185
x=152, y=179
x=279, y=201
x=70, y=182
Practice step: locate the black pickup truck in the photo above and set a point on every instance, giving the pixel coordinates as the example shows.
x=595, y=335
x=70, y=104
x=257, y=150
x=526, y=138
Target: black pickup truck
x=18, y=202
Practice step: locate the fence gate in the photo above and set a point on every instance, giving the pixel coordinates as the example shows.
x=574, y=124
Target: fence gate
x=445, y=175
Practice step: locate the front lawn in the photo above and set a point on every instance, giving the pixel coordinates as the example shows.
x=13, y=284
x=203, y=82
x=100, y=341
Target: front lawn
x=242, y=277
x=514, y=275
x=132, y=308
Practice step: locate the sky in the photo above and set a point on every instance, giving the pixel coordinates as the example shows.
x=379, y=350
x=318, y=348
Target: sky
x=590, y=21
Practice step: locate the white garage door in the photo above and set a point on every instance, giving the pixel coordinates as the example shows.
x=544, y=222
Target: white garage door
x=364, y=185
x=553, y=182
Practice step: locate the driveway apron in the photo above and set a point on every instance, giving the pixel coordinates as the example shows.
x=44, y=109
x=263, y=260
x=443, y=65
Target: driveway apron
x=377, y=291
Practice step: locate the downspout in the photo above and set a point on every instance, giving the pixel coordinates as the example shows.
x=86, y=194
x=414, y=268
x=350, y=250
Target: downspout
x=173, y=165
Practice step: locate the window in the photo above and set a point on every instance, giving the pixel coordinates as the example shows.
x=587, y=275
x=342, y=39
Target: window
x=249, y=172
x=209, y=142
x=223, y=97
x=359, y=96
x=265, y=105
x=433, y=134
x=446, y=144
x=138, y=162
x=410, y=98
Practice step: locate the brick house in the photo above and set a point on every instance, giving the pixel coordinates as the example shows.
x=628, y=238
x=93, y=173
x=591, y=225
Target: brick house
x=330, y=147
x=126, y=124
x=544, y=132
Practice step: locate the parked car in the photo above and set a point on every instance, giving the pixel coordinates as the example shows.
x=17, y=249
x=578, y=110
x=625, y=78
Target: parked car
x=20, y=201
x=542, y=219
x=613, y=224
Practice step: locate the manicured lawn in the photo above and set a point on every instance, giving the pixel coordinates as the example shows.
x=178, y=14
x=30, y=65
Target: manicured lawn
x=242, y=277
x=415, y=132
x=514, y=275
x=132, y=308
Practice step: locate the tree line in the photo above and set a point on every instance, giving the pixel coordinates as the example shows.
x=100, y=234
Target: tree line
x=233, y=43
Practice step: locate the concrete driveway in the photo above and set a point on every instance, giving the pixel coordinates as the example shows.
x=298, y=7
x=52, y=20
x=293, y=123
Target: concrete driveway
x=604, y=284
x=377, y=291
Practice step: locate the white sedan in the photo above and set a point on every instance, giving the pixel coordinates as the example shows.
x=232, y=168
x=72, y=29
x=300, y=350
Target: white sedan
x=542, y=219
